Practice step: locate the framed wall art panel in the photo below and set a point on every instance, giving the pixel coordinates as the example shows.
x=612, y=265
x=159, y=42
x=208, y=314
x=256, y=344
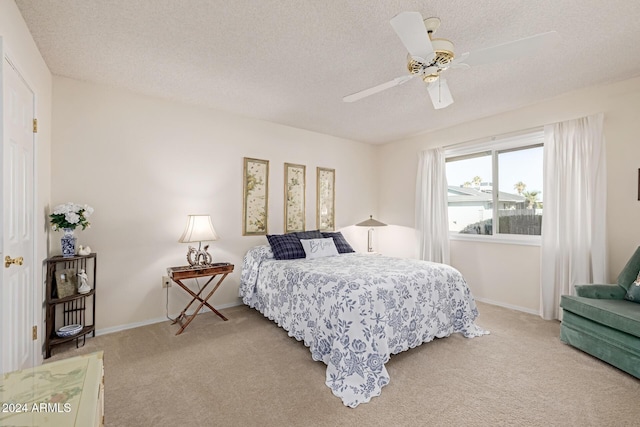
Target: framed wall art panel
x=294, y=197
x=255, y=197
x=326, y=195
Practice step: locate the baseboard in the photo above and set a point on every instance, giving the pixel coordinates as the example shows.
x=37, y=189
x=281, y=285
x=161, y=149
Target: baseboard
x=223, y=306
x=512, y=307
x=158, y=320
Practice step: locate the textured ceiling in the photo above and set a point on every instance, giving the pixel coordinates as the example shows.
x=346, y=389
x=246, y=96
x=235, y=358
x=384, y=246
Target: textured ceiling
x=292, y=61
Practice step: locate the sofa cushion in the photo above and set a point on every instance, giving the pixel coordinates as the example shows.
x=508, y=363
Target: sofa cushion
x=618, y=314
x=620, y=349
x=600, y=291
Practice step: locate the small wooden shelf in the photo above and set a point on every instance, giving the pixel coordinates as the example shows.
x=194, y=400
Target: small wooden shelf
x=71, y=297
x=55, y=339
x=72, y=309
x=60, y=258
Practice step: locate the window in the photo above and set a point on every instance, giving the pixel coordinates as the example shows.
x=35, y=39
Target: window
x=502, y=179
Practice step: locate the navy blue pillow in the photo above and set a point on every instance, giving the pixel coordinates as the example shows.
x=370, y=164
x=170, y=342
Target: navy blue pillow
x=312, y=234
x=286, y=246
x=341, y=243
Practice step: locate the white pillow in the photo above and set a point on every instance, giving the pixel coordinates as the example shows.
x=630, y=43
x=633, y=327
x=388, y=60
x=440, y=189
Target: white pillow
x=318, y=248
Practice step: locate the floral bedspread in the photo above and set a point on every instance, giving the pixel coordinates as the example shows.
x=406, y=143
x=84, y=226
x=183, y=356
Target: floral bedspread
x=354, y=311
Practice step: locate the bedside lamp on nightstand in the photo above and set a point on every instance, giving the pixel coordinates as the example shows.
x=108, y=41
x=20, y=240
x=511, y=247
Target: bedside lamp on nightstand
x=199, y=229
x=370, y=223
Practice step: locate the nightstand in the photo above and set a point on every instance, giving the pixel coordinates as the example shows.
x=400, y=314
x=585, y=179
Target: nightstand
x=178, y=274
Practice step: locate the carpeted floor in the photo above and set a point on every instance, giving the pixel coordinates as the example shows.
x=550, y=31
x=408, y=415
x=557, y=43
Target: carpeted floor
x=248, y=372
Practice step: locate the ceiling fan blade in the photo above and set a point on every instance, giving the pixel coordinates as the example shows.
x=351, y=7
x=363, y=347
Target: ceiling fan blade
x=440, y=94
x=410, y=28
x=367, y=92
x=511, y=50
x=458, y=62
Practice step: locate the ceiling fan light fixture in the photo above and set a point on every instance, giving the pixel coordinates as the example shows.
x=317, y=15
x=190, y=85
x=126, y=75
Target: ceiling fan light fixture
x=429, y=72
x=431, y=77
x=415, y=65
x=445, y=52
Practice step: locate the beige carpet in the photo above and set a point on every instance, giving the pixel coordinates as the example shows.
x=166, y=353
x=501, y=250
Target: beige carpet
x=248, y=372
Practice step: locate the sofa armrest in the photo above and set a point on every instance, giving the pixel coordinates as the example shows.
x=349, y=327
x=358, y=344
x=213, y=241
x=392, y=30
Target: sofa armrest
x=600, y=291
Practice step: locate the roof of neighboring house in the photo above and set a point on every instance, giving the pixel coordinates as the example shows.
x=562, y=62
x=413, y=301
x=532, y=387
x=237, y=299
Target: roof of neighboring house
x=467, y=194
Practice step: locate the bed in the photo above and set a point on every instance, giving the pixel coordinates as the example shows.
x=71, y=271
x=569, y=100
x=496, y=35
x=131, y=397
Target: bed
x=355, y=310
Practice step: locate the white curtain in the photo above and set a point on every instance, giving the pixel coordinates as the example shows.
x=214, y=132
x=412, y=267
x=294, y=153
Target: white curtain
x=574, y=221
x=432, y=219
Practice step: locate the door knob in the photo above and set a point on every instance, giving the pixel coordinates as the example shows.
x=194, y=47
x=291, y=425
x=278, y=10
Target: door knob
x=8, y=261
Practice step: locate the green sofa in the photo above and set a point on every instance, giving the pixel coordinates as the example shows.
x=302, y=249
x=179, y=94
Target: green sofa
x=601, y=322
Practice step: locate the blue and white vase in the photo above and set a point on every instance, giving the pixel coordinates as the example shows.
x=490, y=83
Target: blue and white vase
x=68, y=243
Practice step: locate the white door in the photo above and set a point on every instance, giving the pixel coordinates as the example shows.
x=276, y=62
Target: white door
x=17, y=290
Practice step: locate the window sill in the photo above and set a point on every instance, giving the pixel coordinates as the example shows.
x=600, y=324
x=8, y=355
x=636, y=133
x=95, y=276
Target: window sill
x=507, y=239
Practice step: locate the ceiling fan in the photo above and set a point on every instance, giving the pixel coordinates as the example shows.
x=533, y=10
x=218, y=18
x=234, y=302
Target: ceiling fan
x=429, y=57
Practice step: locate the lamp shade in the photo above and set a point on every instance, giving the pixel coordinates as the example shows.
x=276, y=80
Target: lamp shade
x=199, y=229
x=371, y=223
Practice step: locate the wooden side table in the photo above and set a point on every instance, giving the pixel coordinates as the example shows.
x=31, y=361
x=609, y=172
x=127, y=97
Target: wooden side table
x=178, y=274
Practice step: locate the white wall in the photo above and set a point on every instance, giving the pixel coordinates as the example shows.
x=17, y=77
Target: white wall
x=509, y=274
x=19, y=46
x=144, y=164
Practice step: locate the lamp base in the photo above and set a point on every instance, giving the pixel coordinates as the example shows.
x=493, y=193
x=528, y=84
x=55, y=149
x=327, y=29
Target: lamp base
x=198, y=256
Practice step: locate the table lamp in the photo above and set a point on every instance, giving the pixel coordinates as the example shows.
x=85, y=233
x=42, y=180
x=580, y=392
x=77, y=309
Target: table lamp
x=199, y=229
x=370, y=223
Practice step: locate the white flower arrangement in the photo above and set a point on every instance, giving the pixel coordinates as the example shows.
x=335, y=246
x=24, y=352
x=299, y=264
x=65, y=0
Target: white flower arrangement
x=70, y=215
